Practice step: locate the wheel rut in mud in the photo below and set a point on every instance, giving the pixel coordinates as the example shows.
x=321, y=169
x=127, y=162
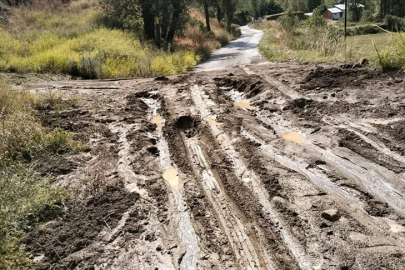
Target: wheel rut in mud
x=273, y=166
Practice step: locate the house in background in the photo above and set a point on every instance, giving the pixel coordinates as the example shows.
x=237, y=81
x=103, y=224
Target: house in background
x=342, y=7
x=333, y=14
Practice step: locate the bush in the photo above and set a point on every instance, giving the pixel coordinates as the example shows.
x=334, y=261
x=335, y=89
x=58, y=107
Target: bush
x=394, y=23
x=289, y=21
x=392, y=58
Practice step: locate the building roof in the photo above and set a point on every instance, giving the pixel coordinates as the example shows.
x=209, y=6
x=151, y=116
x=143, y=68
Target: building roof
x=335, y=10
x=341, y=7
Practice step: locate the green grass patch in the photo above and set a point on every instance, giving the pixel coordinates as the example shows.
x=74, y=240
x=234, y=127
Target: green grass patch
x=102, y=53
x=364, y=43
x=72, y=41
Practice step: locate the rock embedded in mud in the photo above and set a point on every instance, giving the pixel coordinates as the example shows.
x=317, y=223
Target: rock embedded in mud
x=331, y=215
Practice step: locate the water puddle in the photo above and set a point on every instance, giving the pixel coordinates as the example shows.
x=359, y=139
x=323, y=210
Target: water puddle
x=384, y=122
x=158, y=121
x=171, y=175
x=212, y=121
x=294, y=137
x=244, y=105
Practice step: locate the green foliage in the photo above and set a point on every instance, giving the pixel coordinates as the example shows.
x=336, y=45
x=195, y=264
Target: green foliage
x=289, y=21
x=394, y=23
x=368, y=16
x=316, y=21
x=392, y=58
x=355, y=11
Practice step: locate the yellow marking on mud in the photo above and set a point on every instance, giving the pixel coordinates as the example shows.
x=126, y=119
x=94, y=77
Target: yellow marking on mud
x=384, y=122
x=244, y=105
x=171, y=175
x=158, y=121
x=294, y=137
x=212, y=121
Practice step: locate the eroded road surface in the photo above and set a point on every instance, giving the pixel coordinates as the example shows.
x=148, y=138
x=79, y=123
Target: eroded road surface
x=242, y=51
x=276, y=166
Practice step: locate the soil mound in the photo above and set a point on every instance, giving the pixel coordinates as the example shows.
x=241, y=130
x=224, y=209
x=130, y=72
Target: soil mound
x=337, y=78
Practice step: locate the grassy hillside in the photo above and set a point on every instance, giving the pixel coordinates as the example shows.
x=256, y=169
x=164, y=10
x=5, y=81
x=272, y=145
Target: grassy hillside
x=49, y=37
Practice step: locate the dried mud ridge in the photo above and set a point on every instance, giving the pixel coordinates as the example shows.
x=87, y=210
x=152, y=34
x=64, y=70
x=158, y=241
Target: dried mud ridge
x=273, y=166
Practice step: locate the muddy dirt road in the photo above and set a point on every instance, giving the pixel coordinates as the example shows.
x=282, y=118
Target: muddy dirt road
x=276, y=166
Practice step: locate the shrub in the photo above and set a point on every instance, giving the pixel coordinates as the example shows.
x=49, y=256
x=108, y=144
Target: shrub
x=289, y=21
x=394, y=23
x=392, y=58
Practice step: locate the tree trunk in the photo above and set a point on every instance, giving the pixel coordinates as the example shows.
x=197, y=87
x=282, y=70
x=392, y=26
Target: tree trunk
x=174, y=24
x=148, y=19
x=219, y=12
x=207, y=15
x=157, y=23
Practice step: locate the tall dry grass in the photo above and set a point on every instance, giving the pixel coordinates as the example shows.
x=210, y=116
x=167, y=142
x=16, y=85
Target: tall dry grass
x=196, y=38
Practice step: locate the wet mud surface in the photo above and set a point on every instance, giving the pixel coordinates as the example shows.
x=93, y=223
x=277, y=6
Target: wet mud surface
x=269, y=166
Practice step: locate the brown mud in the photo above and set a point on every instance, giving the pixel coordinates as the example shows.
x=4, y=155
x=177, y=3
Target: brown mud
x=309, y=175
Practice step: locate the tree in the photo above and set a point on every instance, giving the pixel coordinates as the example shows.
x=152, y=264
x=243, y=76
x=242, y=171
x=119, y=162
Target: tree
x=312, y=4
x=132, y=14
x=316, y=20
x=289, y=21
x=229, y=8
x=355, y=10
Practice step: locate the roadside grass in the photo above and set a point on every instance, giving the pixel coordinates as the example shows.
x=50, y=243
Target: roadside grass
x=51, y=37
x=364, y=43
x=325, y=46
x=26, y=197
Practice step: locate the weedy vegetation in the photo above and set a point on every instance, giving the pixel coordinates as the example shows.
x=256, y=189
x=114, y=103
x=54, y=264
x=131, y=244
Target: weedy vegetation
x=26, y=196
x=79, y=39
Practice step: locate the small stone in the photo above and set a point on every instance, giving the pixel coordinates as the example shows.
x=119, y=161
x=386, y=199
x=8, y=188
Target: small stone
x=318, y=88
x=331, y=215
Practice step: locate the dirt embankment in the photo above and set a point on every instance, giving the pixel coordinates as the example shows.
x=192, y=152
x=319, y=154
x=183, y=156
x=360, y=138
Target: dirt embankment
x=273, y=166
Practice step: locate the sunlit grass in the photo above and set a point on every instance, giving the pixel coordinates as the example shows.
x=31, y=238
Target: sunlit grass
x=73, y=43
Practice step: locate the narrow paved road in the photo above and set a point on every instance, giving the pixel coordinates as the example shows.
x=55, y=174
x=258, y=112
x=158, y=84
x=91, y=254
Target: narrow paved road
x=242, y=51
